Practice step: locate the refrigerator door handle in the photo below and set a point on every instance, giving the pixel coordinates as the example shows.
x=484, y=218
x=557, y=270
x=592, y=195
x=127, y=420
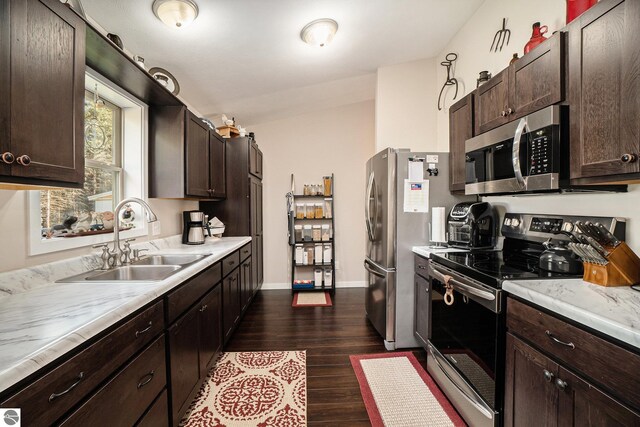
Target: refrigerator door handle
x=375, y=273
x=367, y=208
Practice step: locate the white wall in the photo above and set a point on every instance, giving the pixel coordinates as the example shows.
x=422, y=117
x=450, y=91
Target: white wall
x=338, y=140
x=14, y=229
x=406, y=108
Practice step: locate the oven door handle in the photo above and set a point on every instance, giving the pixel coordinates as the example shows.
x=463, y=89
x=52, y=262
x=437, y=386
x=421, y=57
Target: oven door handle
x=486, y=295
x=484, y=411
x=515, y=153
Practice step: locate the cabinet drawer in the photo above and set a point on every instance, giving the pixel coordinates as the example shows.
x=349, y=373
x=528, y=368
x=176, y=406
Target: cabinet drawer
x=158, y=414
x=617, y=370
x=421, y=266
x=230, y=263
x=186, y=295
x=52, y=395
x=245, y=251
x=124, y=399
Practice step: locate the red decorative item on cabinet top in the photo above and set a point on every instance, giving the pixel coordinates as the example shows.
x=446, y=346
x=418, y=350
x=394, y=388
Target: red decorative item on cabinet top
x=537, y=37
x=577, y=7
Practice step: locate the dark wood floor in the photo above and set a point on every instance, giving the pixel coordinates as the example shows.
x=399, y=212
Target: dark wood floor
x=329, y=335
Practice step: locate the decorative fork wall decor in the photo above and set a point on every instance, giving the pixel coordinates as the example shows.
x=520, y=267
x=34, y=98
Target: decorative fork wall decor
x=451, y=81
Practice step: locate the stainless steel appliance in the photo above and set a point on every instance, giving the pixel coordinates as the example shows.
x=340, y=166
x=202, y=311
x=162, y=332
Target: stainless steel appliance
x=526, y=156
x=466, y=346
x=194, y=226
x=392, y=233
x=472, y=225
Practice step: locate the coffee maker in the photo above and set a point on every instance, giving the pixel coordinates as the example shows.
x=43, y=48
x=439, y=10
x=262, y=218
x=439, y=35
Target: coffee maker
x=195, y=224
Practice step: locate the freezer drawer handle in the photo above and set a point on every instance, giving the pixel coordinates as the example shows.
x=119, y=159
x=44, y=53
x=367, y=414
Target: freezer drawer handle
x=375, y=273
x=471, y=289
x=472, y=401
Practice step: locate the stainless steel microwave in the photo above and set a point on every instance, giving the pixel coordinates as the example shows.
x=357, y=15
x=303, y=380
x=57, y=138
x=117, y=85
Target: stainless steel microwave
x=529, y=155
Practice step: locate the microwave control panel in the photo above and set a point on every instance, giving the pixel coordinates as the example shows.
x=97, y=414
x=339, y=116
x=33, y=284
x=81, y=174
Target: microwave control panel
x=540, y=152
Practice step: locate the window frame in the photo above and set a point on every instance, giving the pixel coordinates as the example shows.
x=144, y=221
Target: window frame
x=132, y=174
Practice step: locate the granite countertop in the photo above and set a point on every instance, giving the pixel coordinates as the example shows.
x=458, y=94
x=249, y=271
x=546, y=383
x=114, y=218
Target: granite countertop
x=41, y=320
x=614, y=311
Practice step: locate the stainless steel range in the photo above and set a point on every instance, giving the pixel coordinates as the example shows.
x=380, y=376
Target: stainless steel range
x=467, y=339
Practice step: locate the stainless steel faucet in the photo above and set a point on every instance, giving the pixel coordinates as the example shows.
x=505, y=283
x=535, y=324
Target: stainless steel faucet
x=151, y=217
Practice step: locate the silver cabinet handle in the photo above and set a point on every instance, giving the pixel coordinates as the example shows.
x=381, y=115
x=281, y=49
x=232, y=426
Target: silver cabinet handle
x=626, y=158
x=510, y=111
x=515, y=153
x=145, y=330
x=203, y=308
x=561, y=384
x=71, y=387
x=8, y=157
x=24, y=160
x=422, y=267
x=146, y=379
x=548, y=376
x=567, y=344
x=503, y=113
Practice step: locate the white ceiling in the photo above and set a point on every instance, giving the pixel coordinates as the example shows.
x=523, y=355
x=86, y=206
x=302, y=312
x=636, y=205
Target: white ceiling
x=245, y=57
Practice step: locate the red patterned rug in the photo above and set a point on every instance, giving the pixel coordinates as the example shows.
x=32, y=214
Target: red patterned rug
x=259, y=389
x=311, y=299
x=397, y=391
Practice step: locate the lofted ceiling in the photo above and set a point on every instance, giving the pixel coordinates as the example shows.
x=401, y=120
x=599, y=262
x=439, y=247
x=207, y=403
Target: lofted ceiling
x=245, y=57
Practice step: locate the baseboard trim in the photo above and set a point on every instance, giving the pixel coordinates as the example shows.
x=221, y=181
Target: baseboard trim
x=287, y=285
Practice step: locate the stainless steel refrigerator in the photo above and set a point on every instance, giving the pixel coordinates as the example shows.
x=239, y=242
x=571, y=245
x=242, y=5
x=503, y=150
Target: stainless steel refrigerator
x=391, y=235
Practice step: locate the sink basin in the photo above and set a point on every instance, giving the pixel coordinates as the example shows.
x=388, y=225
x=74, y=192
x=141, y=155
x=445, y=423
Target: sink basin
x=136, y=273
x=181, y=259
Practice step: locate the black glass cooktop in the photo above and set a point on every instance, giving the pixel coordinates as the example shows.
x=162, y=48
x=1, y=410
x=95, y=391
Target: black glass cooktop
x=492, y=267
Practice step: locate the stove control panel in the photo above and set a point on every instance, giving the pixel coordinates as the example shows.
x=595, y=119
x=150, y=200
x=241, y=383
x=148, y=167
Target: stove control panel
x=546, y=225
x=540, y=227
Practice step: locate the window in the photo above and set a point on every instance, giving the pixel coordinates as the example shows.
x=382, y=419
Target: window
x=102, y=176
x=115, y=168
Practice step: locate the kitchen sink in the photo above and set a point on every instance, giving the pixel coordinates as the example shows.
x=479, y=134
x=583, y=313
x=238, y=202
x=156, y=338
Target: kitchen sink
x=181, y=259
x=150, y=273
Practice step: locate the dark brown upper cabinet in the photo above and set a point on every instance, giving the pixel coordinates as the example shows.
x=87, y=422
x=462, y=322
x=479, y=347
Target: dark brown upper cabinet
x=604, y=93
x=186, y=159
x=255, y=160
x=42, y=67
x=529, y=84
x=460, y=129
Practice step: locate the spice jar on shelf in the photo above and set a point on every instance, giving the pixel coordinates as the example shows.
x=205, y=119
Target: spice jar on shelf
x=307, y=236
x=326, y=234
x=327, y=208
x=298, y=233
x=327, y=185
x=318, y=210
x=300, y=210
x=317, y=233
x=311, y=212
x=310, y=254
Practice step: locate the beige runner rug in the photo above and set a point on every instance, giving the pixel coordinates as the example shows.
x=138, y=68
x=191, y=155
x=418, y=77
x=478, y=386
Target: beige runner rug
x=311, y=299
x=253, y=389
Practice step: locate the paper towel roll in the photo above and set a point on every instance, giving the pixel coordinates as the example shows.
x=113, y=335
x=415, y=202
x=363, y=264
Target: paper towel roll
x=438, y=224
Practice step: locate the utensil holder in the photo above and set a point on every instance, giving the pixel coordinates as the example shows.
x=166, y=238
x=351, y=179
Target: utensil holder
x=623, y=268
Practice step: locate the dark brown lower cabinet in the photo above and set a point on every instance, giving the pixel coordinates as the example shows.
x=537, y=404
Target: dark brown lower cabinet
x=540, y=392
x=124, y=399
x=210, y=328
x=421, y=327
x=245, y=278
x=231, y=303
x=184, y=363
x=158, y=414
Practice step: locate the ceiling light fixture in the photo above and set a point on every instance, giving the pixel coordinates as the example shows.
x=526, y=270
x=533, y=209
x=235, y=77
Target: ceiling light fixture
x=175, y=13
x=319, y=32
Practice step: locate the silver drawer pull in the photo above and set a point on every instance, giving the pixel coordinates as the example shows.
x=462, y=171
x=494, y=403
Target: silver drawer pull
x=71, y=387
x=138, y=333
x=203, y=308
x=422, y=267
x=568, y=344
x=146, y=379
x=548, y=376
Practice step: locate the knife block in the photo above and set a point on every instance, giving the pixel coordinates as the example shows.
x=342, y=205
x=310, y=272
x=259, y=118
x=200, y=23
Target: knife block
x=623, y=269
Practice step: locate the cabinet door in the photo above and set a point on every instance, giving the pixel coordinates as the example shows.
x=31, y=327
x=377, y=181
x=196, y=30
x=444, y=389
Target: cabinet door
x=47, y=90
x=247, y=288
x=460, y=129
x=537, y=79
x=421, y=327
x=183, y=359
x=581, y=404
x=5, y=88
x=604, y=93
x=217, y=165
x=531, y=397
x=255, y=160
x=210, y=327
x=197, y=157
x=491, y=103
x=260, y=262
x=230, y=303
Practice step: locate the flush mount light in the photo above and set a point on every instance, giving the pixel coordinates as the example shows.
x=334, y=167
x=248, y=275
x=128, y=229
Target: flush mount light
x=175, y=13
x=319, y=32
